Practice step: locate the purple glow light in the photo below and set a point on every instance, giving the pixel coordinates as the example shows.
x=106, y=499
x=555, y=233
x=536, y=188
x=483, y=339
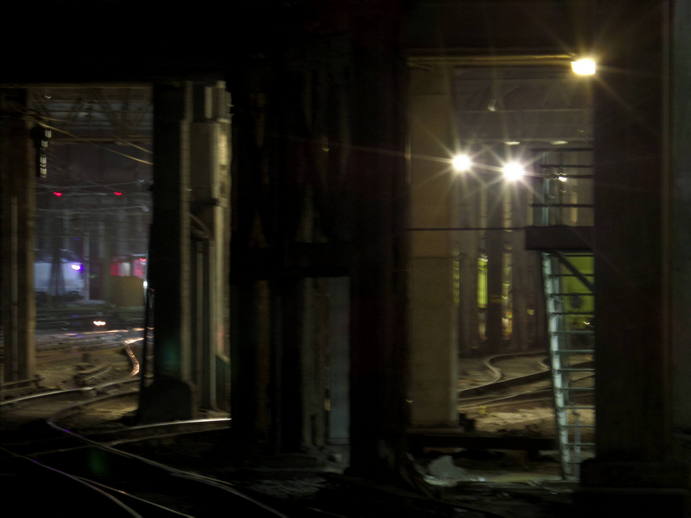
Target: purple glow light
x=76, y=267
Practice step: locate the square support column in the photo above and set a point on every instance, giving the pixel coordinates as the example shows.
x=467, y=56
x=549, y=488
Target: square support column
x=17, y=215
x=378, y=318
x=171, y=394
x=433, y=306
x=636, y=471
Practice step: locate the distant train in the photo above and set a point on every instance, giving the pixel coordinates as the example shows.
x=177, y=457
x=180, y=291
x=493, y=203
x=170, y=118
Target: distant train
x=70, y=280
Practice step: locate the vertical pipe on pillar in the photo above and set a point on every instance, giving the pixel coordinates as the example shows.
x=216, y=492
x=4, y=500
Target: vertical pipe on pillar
x=209, y=155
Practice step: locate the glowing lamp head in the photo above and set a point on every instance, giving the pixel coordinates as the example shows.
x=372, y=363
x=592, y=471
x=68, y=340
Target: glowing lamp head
x=461, y=163
x=513, y=171
x=117, y=193
x=584, y=67
x=76, y=267
x=99, y=323
x=56, y=193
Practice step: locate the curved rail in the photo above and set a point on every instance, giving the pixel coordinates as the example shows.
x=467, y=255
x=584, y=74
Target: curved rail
x=83, y=482
x=170, y=470
x=500, y=380
x=64, y=392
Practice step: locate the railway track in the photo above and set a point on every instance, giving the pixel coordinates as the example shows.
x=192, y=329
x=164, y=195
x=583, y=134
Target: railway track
x=116, y=482
x=83, y=318
x=505, y=390
x=102, y=479
x=73, y=360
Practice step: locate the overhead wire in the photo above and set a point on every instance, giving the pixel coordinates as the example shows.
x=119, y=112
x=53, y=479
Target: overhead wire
x=100, y=146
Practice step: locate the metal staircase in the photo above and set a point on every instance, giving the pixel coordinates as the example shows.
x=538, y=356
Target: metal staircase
x=568, y=282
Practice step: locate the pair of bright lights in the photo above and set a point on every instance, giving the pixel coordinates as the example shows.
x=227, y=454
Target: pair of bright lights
x=512, y=171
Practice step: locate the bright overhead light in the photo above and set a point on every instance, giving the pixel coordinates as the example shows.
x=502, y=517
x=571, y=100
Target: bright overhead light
x=461, y=163
x=513, y=171
x=584, y=66
x=512, y=142
x=562, y=178
x=559, y=142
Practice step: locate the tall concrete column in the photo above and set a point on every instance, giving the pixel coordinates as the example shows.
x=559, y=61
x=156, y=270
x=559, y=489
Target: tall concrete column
x=495, y=266
x=171, y=394
x=66, y=230
x=433, y=308
x=680, y=222
x=250, y=298
x=105, y=254
x=376, y=174
x=637, y=471
x=210, y=182
x=339, y=361
x=468, y=245
x=521, y=286
x=17, y=213
x=250, y=367
x=121, y=234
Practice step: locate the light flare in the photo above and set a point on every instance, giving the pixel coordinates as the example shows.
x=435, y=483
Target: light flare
x=461, y=163
x=513, y=171
x=584, y=66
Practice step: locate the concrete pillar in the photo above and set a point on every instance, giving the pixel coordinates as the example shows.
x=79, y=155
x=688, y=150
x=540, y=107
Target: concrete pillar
x=105, y=254
x=315, y=340
x=637, y=471
x=121, y=234
x=66, y=230
x=468, y=246
x=86, y=261
x=339, y=360
x=210, y=182
x=680, y=222
x=523, y=284
x=495, y=266
x=171, y=395
x=250, y=300
x=433, y=308
x=17, y=214
x=376, y=175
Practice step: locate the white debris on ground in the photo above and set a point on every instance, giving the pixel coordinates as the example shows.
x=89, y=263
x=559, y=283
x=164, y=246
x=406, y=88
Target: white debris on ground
x=300, y=487
x=443, y=472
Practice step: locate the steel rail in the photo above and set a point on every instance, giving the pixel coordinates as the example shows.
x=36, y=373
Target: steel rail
x=203, y=479
x=76, y=479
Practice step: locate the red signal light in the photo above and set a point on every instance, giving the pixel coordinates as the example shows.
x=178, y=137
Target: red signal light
x=58, y=194
x=117, y=193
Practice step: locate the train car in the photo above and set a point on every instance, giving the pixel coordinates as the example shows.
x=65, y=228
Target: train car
x=70, y=279
x=64, y=279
